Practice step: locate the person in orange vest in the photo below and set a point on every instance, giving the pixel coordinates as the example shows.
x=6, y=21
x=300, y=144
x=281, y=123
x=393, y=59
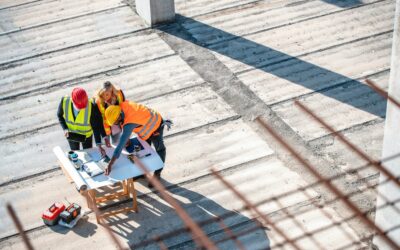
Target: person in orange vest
x=106, y=96
x=145, y=122
x=81, y=116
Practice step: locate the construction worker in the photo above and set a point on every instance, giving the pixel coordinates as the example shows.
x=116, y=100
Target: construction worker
x=77, y=114
x=146, y=123
x=106, y=96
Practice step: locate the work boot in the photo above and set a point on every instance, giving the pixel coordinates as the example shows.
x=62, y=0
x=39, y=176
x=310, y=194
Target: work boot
x=138, y=177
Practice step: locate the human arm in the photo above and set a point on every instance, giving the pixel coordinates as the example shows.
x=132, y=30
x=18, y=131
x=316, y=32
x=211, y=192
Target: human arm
x=96, y=121
x=61, y=120
x=126, y=133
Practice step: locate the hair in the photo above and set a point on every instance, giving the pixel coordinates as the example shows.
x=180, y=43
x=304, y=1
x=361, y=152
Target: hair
x=107, y=85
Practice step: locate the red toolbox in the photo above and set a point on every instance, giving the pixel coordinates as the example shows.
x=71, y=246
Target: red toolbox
x=52, y=215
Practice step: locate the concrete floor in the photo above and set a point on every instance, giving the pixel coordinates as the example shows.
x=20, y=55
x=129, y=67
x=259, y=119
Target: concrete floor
x=213, y=71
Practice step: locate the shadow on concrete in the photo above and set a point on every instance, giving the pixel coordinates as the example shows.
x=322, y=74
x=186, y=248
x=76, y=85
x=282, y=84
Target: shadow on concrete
x=344, y=3
x=277, y=63
x=156, y=218
x=83, y=228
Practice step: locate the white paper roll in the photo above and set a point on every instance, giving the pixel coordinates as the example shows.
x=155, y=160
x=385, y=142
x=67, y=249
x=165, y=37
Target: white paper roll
x=69, y=167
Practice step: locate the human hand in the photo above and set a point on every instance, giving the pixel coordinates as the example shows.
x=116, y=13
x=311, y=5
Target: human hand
x=102, y=151
x=107, y=141
x=108, y=169
x=168, y=123
x=66, y=134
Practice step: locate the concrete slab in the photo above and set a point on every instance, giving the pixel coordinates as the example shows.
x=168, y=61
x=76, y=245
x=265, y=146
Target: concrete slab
x=321, y=222
x=33, y=151
x=256, y=17
x=68, y=33
x=296, y=77
x=368, y=137
x=231, y=147
x=139, y=83
x=43, y=12
x=301, y=38
x=202, y=200
x=200, y=7
x=60, y=67
x=341, y=107
x=233, y=144
x=11, y=3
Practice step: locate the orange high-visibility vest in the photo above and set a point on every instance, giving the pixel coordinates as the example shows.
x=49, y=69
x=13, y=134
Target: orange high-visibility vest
x=120, y=98
x=148, y=119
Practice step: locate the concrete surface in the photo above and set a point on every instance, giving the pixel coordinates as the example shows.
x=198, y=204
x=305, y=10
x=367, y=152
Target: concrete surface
x=213, y=71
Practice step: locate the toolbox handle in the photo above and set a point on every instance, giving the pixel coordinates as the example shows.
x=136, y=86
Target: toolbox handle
x=52, y=208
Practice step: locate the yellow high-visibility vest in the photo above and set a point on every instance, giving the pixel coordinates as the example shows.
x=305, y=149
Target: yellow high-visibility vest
x=102, y=109
x=81, y=124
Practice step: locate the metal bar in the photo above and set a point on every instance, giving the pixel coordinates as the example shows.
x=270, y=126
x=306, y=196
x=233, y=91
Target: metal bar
x=250, y=206
x=317, y=230
x=284, y=209
x=230, y=234
x=353, y=147
x=382, y=92
x=160, y=243
x=303, y=189
x=198, y=235
x=105, y=225
x=19, y=227
x=328, y=184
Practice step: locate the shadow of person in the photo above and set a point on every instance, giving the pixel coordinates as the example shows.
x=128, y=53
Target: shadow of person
x=157, y=218
x=344, y=3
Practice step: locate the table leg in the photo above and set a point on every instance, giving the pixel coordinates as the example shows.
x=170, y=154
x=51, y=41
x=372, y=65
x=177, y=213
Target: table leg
x=133, y=192
x=92, y=198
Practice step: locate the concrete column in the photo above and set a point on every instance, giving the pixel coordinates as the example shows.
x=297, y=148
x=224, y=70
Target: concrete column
x=388, y=218
x=156, y=11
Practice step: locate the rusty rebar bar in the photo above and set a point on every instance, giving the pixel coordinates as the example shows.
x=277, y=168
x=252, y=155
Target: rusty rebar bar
x=328, y=183
x=19, y=227
x=229, y=233
x=253, y=208
x=302, y=189
x=382, y=92
x=199, y=236
x=353, y=147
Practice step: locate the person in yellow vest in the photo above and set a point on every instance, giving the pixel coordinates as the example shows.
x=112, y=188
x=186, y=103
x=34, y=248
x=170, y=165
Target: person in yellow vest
x=137, y=118
x=81, y=116
x=106, y=96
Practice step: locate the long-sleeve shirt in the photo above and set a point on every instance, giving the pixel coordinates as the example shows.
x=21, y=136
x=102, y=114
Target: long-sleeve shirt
x=96, y=121
x=126, y=133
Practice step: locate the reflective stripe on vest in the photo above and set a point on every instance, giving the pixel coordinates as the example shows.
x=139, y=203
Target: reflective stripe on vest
x=149, y=126
x=81, y=125
x=148, y=119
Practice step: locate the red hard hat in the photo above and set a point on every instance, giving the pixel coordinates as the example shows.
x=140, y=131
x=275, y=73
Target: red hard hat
x=79, y=98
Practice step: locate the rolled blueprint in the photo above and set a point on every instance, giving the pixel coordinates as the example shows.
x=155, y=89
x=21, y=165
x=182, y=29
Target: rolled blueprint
x=70, y=169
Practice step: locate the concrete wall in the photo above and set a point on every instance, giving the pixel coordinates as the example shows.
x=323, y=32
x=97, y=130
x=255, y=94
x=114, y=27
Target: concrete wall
x=156, y=11
x=387, y=217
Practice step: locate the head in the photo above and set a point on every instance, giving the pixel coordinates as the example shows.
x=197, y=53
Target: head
x=113, y=115
x=108, y=94
x=79, y=98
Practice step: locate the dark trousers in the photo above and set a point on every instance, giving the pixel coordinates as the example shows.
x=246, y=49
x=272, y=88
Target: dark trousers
x=88, y=143
x=157, y=140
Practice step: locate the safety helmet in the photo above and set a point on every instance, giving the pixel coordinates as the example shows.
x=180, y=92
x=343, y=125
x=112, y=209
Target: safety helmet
x=112, y=113
x=79, y=98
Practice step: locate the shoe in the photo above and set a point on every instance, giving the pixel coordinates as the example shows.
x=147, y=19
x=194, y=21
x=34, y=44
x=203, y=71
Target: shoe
x=138, y=177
